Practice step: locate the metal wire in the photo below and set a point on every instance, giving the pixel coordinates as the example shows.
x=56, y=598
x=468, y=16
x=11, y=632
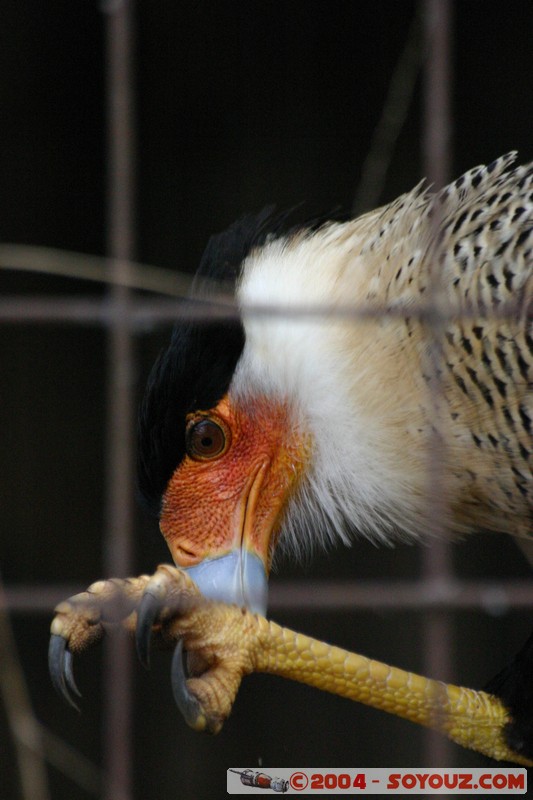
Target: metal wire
x=436, y=560
x=445, y=593
x=118, y=694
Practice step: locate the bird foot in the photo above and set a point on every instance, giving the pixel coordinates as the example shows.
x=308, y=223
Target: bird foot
x=217, y=639
x=82, y=620
x=223, y=643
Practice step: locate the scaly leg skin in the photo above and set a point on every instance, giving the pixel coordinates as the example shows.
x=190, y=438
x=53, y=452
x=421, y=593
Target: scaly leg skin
x=224, y=643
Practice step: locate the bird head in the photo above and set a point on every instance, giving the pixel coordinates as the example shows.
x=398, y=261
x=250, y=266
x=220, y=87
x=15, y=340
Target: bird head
x=222, y=508
x=221, y=452
x=272, y=426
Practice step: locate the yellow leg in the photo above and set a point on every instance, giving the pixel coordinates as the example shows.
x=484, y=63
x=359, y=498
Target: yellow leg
x=473, y=719
x=224, y=643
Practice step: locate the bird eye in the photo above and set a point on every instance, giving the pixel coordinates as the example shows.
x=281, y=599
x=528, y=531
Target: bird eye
x=205, y=439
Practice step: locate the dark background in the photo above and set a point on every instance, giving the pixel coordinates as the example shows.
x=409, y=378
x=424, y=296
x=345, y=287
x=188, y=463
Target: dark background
x=238, y=104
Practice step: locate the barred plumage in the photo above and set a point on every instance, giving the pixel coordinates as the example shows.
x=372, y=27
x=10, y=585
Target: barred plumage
x=455, y=269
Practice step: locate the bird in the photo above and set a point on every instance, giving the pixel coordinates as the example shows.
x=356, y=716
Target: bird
x=369, y=377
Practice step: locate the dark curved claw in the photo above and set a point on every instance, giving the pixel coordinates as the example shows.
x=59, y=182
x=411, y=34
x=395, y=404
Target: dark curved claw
x=60, y=666
x=69, y=673
x=187, y=703
x=147, y=613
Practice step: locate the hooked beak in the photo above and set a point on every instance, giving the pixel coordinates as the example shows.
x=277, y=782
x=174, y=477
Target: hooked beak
x=238, y=577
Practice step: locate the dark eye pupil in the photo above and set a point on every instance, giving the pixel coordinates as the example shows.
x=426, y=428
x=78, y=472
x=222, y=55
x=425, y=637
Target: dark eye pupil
x=205, y=439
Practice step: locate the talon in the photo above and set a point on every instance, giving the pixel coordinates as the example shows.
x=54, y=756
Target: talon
x=69, y=673
x=187, y=703
x=146, y=616
x=60, y=666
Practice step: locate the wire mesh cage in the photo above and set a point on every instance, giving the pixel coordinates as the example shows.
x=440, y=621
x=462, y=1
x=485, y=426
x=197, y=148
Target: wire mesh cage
x=131, y=132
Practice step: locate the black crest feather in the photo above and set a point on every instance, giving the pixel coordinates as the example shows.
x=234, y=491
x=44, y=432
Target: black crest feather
x=195, y=370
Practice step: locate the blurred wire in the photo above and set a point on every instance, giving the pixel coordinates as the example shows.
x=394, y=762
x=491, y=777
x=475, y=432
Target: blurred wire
x=437, y=560
x=96, y=269
x=395, y=109
x=75, y=766
x=24, y=728
x=143, y=312
x=120, y=386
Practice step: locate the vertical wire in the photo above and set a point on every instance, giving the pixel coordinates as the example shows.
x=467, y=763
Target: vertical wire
x=118, y=696
x=24, y=727
x=393, y=115
x=436, y=559
x=437, y=105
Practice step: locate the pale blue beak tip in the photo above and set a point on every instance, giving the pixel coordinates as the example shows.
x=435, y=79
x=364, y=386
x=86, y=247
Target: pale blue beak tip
x=238, y=577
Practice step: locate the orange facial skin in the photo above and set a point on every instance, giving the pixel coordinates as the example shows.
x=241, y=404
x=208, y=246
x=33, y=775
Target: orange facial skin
x=212, y=506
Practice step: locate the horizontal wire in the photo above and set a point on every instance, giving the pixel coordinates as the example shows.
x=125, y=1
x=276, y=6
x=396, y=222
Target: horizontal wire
x=492, y=596
x=55, y=262
x=146, y=312
x=179, y=302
